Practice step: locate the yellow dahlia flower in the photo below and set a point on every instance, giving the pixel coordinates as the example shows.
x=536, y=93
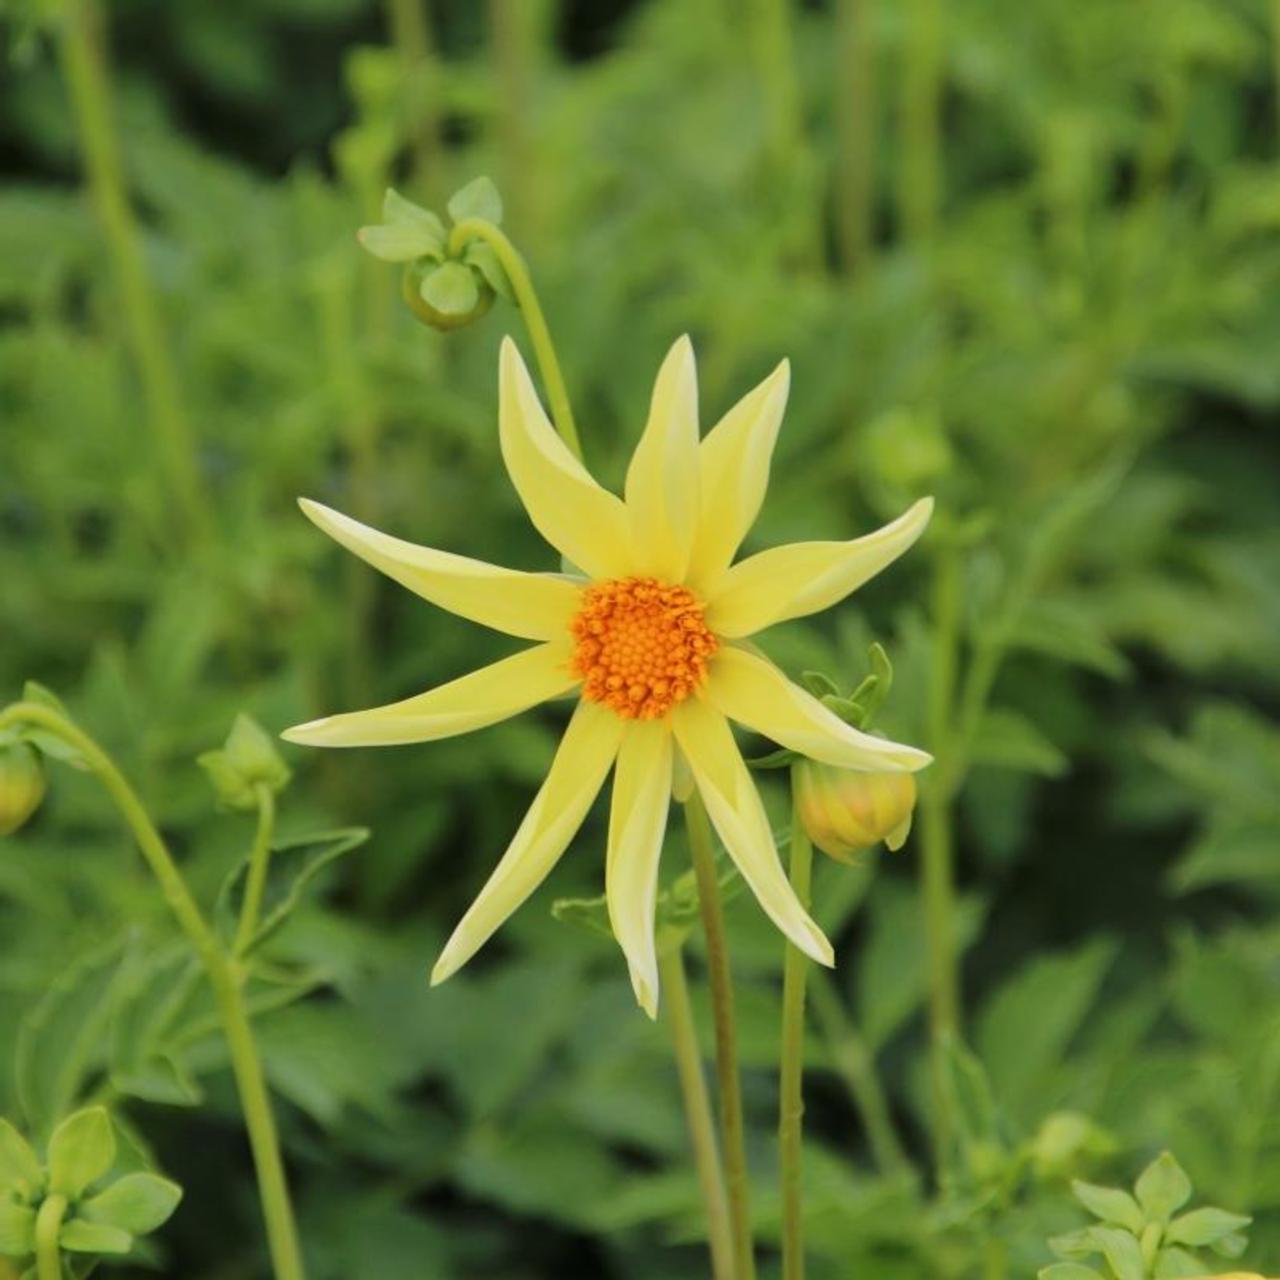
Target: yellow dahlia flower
x=648, y=633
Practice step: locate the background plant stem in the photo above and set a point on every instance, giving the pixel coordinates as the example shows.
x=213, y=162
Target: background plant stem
x=919, y=164
x=855, y=132
x=791, y=1067
x=697, y=1110
x=224, y=978
x=411, y=33
x=721, y=979
x=535, y=322
x=85, y=69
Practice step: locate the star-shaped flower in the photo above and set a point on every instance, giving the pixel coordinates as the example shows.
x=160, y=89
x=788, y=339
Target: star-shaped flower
x=649, y=633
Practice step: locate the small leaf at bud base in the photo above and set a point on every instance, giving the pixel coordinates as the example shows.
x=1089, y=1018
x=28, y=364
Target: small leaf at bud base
x=22, y=785
x=478, y=199
x=845, y=811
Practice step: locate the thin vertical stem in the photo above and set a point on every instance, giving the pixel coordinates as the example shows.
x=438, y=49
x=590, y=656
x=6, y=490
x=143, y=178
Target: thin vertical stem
x=535, y=322
x=937, y=836
x=224, y=978
x=697, y=1110
x=259, y=864
x=514, y=52
x=791, y=1070
x=1275, y=65
x=48, y=1228
x=774, y=53
x=919, y=166
x=411, y=33
x=855, y=132
x=853, y=1060
x=85, y=69
x=721, y=979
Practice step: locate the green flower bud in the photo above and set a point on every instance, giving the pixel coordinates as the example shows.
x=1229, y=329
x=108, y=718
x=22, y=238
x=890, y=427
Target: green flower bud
x=246, y=760
x=446, y=295
x=22, y=785
x=845, y=811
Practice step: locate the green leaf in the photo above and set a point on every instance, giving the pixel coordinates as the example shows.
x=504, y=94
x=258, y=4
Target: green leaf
x=137, y=1203
x=78, y=1236
x=1204, y=1226
x=1076, y=1244
x=1178, y=1264
x=1068, y=1271
x=1062, y=630
x=82, y=1149
x=1230, y=1246
x=1163, y=1187
x=480, y=255
x=1238, y=854
x=1006, y=739
x=591, y=914
x=17, y=1229
x=20, y=1168
x=1110, y=1204
x=478, y=199
x=1122, y=1252
x=295, y=862
x=451, y=289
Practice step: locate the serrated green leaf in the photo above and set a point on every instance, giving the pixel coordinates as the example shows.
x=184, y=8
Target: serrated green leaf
x=81, y=1150
x=478, y=199
x=79, y=1236
x=451, y=289
x=1204, y=1226
x=1110, y=1204
x=17, y=1229
x=1162, y=1187
x=137, y=1203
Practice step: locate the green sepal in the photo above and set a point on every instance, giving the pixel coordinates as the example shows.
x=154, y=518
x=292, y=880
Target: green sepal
x=480, y=255
x=248, y=759
x=1205, y=1226
x=1178, y=1264
x=81, y=1150
x=79, y=1236
x=451, y=289
x=20, y=1168
x=478, y=199
x=1110, y=1204
x=397, y=211
x=1230, y=1246
x=17, y=1229
x=819, y=683
x=138, y=1203
x=783, y=758
x=591, y=914
x=44, y=741
x=1162, y=1187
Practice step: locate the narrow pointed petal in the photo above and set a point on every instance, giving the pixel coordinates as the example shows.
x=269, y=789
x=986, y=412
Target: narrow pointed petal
x=534, y=606
x=582, y=762
x=733, y=462
x=805, y=577
x=637, y=825
x=662, y=481
x=736, y=812
x=484, y=697
x=584, y=522
x=748, y=688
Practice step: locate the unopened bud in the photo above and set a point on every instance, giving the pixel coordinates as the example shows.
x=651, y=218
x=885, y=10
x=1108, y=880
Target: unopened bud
x=22, y=785
x=845, y=811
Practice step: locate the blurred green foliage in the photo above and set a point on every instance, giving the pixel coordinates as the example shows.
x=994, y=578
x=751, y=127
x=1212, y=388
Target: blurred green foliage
x=1024, y=257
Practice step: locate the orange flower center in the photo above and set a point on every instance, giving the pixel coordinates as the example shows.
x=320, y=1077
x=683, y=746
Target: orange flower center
x=642, y=645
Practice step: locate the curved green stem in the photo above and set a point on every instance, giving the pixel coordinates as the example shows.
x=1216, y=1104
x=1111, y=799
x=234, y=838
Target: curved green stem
x=85, y=70
x=224, y=978
x=791, y=1069
x=48, y=1229
x=531, y=309
x=735, y=1153
x=259, y=864
x=697, y=1110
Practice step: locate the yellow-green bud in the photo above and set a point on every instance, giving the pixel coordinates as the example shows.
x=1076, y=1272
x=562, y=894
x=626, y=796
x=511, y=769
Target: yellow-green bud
x=22, y=785
x=845, y=811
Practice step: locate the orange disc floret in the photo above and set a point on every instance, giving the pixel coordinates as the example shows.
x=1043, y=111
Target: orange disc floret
x=642, y=645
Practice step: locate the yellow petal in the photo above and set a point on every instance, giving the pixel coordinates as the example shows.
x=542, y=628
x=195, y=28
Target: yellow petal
x=736, y=812
x=637, y=825
x=748, y=688
x=733, y=462
x=804, y=577
x=577, y=773
x=484, y=697
x=534, y=606
x=585, y=523
x=662, y=481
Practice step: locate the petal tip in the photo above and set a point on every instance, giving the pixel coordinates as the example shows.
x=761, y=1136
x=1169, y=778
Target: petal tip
x=305, y=734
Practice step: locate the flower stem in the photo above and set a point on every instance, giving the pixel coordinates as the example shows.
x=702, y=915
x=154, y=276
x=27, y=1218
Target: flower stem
x=697, y=1110
x=853, y=1060
x=791, y=1068
x=224, y=977
x=735, y=1153
x=85, y=69
x=937, y=837
x=259, y=864
x=48, y=1229
x=531, y=309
